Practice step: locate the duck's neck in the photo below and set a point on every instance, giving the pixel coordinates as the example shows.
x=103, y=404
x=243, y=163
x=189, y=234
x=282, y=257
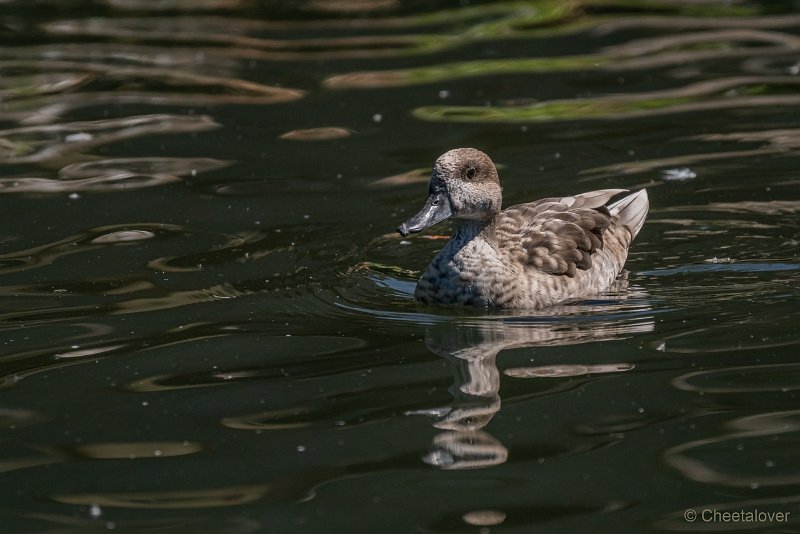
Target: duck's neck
x=465, y=230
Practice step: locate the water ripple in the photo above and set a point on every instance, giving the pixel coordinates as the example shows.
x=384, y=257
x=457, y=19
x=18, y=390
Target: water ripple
x=93, y=238
x=742, y=379
x=33, y=144
x=316, y=134
x=109, y=83
x=113, y=175
x=691, y=459
x=165, y=500
x=771, y=141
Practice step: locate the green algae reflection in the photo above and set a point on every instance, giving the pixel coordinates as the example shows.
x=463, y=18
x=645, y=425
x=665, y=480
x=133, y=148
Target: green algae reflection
x=546, y=111
x=741, y=91
x=453, y=71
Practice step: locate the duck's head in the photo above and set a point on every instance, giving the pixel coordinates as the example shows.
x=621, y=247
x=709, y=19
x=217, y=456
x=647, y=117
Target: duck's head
x=464, y=185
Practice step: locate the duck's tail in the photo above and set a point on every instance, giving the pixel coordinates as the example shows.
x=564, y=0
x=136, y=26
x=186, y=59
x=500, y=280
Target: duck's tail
x=631, y=211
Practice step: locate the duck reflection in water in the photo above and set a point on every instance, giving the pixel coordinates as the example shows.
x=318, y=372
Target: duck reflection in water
x=473, y=345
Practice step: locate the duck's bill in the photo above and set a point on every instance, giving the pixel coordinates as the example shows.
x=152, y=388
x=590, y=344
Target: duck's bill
x=435, y=210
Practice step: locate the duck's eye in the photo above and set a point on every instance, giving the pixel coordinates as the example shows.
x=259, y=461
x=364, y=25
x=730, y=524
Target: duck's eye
x=471, y=172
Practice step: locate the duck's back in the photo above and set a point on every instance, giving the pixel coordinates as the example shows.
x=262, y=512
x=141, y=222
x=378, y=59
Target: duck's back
x=566, y=247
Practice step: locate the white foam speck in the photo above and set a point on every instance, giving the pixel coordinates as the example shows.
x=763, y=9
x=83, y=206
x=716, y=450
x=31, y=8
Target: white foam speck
x=78, y=137
x=683, y=173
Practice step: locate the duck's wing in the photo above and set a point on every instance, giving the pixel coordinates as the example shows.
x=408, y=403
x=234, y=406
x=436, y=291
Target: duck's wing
x=556, y=235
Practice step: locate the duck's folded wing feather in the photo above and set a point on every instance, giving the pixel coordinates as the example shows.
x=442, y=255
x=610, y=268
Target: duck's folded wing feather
x=554, y=235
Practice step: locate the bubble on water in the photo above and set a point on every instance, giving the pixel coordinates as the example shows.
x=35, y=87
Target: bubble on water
x=444, y=93
x=301, y=448
x=377, y=118
x=95, y=511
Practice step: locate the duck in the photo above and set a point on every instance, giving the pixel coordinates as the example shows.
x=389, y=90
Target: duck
x=530, y=255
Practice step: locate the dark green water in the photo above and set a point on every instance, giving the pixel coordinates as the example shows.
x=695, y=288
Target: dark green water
x=207, y=322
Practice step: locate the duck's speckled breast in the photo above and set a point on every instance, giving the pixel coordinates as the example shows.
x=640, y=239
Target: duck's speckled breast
x=480, y=272
x=471, y=273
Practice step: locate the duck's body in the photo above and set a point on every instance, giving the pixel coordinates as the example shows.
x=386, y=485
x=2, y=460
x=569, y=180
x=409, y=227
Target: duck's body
x=526, y=256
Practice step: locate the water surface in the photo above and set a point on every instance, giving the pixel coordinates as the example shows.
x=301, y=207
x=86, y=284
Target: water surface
x=207, y=322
